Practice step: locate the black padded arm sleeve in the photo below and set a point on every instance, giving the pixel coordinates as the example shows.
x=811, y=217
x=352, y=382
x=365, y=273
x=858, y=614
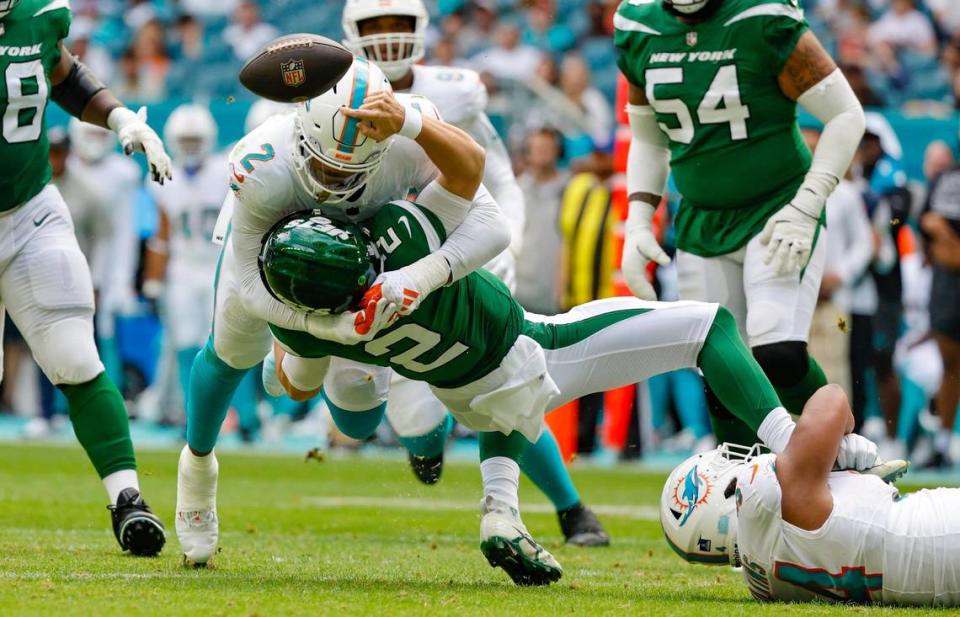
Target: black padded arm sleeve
x=74, y=92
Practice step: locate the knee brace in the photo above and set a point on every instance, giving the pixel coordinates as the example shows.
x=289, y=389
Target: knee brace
x=785, y=363
x=67, y=354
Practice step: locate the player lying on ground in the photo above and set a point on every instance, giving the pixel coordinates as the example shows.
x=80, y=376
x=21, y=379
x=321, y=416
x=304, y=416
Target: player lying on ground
x=714, y=88
x=45, y=281
x=495, y=367
x=804, y=532
x=346, y=152
x=392, y=35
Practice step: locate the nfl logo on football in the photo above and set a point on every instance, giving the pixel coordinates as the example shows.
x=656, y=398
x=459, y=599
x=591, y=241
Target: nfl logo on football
x=293, y=73
x=691, y=38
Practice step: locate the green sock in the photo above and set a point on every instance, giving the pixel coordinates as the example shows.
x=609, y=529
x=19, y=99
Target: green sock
x=796, y=396
x=100, y=422
x=735, y=378
x=497, y=444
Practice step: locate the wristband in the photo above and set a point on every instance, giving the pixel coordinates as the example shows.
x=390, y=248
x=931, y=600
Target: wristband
x=412, y=123
x=776, y=429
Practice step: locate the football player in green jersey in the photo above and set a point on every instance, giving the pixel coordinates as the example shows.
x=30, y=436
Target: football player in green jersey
x=45, y=282
x=497, y=368
x=714, y=86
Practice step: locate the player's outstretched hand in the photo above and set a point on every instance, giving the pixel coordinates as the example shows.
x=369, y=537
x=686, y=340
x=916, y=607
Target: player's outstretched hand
x=381, y=115
x=857, y=453
x=135, y=135
x=640, y=247
x=352, y=327
x=788, y=236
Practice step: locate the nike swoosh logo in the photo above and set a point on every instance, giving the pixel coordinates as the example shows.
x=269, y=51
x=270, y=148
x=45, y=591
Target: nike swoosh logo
x=39, y=222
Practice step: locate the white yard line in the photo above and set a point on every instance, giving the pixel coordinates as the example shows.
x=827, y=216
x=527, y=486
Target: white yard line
x=641, y=513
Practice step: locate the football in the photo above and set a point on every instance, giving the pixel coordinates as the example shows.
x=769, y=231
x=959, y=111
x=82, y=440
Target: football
x=295, y=67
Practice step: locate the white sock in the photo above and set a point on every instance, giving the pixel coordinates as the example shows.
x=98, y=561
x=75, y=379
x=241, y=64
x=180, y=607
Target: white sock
x=941, y=440
x=197, y=481
x=776, y=429
x=119, y=480
x=501, y=480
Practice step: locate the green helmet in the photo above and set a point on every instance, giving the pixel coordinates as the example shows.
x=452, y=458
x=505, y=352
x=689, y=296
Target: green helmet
x=312, y=264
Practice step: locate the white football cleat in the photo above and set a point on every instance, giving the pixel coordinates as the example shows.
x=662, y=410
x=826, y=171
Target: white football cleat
x=889, y=471
x=198, y=528
x=506, y=543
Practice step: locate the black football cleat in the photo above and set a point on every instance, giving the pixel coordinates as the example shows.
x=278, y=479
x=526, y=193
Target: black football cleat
x=427, y=468
x=136, y=527
x=581, y=527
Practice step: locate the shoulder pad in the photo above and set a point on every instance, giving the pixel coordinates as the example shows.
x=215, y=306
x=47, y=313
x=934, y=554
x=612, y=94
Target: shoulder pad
x=637, y=17
x=457, y=92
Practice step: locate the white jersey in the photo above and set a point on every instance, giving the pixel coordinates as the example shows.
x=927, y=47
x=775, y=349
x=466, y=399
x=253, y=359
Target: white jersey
x=114, y=271
x=876, y=546
x=462, y=99
x=191, y=202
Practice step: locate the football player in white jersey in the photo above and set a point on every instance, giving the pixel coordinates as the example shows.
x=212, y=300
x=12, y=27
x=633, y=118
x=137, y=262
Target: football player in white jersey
x=181, y=252
x=94, y=154
x=345, y=153
x=803, y=531
x=391, y=33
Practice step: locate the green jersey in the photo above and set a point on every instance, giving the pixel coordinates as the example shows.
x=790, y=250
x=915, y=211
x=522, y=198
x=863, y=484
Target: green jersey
x=458, y=334
x=737, y=154
x=29, y=50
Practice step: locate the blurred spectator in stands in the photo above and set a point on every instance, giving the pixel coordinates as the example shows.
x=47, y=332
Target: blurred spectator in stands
x=143, y=67
x=852, y=26
x=937, y=159
x=248, y=33
x=539, y=272
x=858, y=81
x=94, y=56
x=446, y=53
x=544, y=31
x=138, y=13
x=187, y=38
x=847, y=291
x=510, y=59
x=575, y=84
x=208, y=8
x=548, y=71
x=902, y=27
x=947, y=14
x=941, y=227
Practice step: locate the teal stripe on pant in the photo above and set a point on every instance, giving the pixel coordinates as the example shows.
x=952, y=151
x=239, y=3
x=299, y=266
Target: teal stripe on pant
x=543, y=464
x=356, y=424
x=430, y=444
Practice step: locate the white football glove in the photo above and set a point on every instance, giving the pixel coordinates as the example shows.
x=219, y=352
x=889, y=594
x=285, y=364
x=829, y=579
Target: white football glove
x=857, y=453
x=408, y=286
x=788, y=236
x=352, y=327
x=640, y=247
x=135, y=135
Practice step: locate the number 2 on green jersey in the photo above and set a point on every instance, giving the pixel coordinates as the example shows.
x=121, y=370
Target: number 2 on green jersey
x=721, y=104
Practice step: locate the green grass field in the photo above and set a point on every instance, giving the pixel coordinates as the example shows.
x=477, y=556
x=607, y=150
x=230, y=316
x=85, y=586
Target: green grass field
x=345, y=536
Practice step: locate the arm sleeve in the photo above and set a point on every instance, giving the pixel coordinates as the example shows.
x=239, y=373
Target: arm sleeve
x=833, y=102
x=859, y=249
x=502, y=184
x=648, y=161
x=476, y=233
x=246, y=235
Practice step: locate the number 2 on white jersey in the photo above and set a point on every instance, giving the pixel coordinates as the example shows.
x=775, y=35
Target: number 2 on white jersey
x=720, y=105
